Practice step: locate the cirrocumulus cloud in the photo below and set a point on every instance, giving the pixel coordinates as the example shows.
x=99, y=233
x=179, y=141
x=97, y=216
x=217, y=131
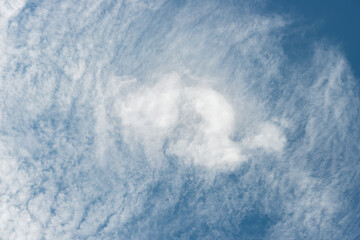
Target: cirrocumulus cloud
x=156, y=119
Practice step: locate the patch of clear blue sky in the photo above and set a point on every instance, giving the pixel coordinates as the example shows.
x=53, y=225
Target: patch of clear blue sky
x=336, y=21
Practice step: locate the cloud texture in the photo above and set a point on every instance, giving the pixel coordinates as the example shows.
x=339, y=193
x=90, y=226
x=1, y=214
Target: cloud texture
x=172, y=120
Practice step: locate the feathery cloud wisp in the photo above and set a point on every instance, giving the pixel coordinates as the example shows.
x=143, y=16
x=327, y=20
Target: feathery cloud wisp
x=166, y=119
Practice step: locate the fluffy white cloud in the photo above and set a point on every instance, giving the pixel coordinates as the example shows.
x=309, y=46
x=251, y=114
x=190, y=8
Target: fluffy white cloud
x=195, y=122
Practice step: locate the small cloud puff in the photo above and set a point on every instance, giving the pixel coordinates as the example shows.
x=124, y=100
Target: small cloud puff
x=269, y=137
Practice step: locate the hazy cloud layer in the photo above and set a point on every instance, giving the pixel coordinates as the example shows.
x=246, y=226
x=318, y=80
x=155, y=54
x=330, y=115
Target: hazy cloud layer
x=175, y=120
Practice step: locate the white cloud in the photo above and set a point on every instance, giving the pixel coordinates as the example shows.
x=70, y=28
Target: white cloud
x=91, y=119
x=269, y=137
x=9, y=9
x=196, y=121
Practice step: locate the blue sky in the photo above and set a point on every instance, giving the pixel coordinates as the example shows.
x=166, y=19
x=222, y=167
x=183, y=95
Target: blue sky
x=335, y=21
x=179, y=120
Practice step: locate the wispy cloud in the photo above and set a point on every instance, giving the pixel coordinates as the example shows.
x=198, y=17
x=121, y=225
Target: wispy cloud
x=166, y=119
